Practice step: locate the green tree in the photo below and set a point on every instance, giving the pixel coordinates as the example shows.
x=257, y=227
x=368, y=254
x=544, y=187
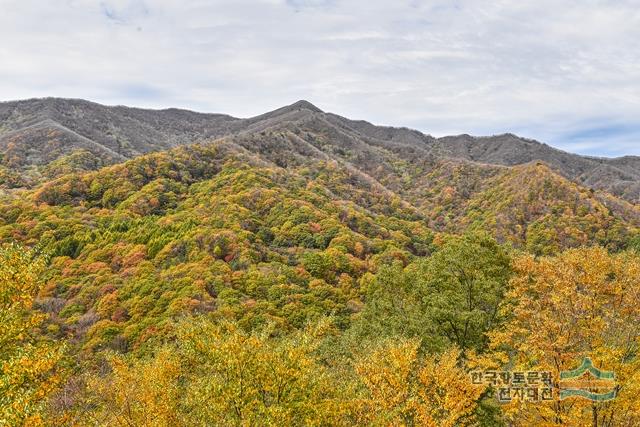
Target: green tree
x=451, y=297
x=465, y=282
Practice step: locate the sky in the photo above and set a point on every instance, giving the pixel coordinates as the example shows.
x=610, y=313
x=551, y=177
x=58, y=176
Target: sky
x=563, y=72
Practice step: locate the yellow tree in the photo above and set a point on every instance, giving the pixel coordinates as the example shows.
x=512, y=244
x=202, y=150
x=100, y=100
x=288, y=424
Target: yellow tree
x=405, y=389
x=217, y=374
x=27, y=366
x=582, y=303
x=241, y=378
x=136, y=393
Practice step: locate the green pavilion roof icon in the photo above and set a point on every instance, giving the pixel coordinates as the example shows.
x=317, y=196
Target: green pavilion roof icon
x=572, y=383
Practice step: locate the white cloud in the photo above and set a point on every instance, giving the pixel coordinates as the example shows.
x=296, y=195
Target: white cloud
x=545, y=69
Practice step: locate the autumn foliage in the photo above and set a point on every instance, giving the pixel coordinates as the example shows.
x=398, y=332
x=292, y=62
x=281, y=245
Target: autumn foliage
x=28, y=373
x=203, y=286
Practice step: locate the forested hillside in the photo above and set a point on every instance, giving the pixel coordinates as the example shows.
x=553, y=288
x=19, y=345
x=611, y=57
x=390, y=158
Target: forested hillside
x=299, y=268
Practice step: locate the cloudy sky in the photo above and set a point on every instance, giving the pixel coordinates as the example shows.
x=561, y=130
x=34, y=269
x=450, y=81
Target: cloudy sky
x=563, y=72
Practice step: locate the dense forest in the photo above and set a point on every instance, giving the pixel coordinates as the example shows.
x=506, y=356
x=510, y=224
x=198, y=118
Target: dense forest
x=254, y=280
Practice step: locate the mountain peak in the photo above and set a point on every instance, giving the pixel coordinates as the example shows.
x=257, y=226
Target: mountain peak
x=304, y=105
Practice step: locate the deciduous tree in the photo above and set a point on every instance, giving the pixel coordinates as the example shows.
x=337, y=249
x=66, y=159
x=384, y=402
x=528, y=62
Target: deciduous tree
x=28, y=372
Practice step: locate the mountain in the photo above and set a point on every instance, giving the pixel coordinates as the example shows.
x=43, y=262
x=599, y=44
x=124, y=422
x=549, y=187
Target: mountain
x=221, y=229
x=206, y=228
x=513, y=187
x=42, y=138
x=151, y=220
x=216, y=228
x=36, y=132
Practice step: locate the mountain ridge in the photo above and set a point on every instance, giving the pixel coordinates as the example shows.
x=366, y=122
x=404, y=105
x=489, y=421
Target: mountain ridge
x=120, y=132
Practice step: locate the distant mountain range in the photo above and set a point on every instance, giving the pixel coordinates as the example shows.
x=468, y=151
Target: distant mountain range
x=40, y=131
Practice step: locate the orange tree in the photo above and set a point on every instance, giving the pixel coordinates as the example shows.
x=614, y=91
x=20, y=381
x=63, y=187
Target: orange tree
x=404, y=388
x=582, y=303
